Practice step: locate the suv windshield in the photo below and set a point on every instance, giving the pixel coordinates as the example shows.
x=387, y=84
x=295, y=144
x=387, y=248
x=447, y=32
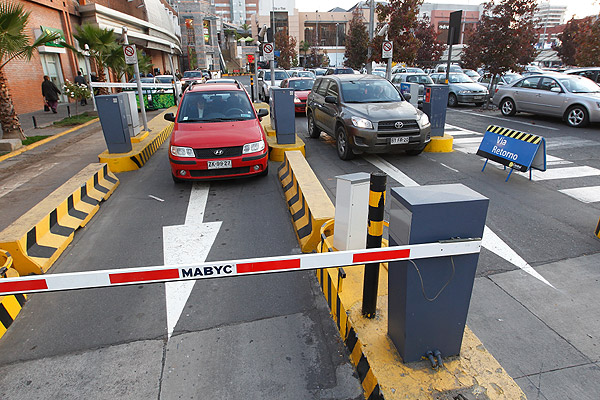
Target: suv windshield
x=304, y=84
x=192, y=74
x=459, y=78
x=305, y=74
x=579, y=85
x=370, y=91
x=164, y=79
x=215, y=106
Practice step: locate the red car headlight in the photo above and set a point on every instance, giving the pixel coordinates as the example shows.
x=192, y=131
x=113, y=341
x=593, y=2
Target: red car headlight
x=182, y=151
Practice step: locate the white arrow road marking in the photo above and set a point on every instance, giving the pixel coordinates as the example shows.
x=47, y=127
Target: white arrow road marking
x=187, y=243
x=490, y=240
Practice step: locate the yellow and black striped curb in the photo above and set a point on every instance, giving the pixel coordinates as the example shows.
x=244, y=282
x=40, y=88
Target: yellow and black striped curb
x=38, y=237
x=597, y=232
x=382, y=372
x=143, y=150
x=308, y=203
x=277, y=151
x=511, y=133
x=10, y=305
x=347, y=332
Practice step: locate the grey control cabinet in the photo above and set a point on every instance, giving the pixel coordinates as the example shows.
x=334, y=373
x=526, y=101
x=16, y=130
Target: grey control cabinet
x=429, y=300
x=435, y=102
x=133, y=120
x=112, y=110
x=283, y=116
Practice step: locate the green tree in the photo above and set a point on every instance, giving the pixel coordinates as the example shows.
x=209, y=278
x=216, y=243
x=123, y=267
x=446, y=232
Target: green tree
x=570, y=40
x=14, y=45
x=431, y=49
x=401, y=15
x=588, y=51
x=287, y=49
x=504, y=38
x=103, y=47
x=357, y=41
x=304, y=48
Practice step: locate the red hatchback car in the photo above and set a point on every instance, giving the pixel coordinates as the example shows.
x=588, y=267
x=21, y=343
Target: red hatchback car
x=217, y=134
x=302, y=87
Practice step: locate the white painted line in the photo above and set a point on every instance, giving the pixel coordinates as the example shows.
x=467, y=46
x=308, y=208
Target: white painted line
x=185, y=244
x=560, y=162
x=468, y=149
x=492, y=242
x=462, y=133
x=568, y=141
x=508, y=120
x=589, y=194
x=564, y=173
x=450, y=168
x=466, y=131
x=390, y=170
x=469, y=140
x=23, y=177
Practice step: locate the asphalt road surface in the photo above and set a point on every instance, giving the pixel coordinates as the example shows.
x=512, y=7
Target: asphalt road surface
x=270, y=336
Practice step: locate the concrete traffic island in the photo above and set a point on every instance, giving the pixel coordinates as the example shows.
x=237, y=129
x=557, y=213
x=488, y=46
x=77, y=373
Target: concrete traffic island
x=440, y=144
x=277, y=151
x=143, y=145
x=475, y=373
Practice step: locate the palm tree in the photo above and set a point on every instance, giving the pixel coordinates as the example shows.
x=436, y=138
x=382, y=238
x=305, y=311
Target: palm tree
x=14, y=44
x=102, y=44
x=304, y=47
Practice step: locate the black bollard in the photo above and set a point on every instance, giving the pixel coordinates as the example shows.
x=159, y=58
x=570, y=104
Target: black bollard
x=374, y=235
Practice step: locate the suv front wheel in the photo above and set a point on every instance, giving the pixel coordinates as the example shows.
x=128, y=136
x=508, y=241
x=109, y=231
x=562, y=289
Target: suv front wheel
x=343, y=145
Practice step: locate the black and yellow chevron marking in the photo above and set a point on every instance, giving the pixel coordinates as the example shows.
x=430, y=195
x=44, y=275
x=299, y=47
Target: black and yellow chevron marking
x=598, y=229
x=10, y=306
x=35, y=246
x=511, y=133
x=301, y=215
x=141, y=158
x=353, y=344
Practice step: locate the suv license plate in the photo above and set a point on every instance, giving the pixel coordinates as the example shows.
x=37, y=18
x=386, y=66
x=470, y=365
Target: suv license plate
x=399, y=140
x=219, y=164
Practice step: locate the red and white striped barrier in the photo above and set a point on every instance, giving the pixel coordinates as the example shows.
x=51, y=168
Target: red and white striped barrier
x=131, y=276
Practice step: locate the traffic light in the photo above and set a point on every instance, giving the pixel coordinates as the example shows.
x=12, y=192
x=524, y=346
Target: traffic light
x=250, y=58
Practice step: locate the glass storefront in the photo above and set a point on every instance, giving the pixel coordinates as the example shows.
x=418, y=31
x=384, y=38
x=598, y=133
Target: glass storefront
x=327, y=33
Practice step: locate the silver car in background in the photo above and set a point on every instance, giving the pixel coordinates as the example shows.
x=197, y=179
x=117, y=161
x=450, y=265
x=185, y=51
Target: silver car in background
x=573, y=98
x=462, y=89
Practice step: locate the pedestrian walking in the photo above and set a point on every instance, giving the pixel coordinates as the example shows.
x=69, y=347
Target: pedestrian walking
x=80, y=80
x=50, y=93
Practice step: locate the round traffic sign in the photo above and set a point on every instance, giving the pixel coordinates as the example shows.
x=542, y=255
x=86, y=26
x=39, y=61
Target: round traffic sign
x=268, y=48
x=129, y=51
x=387, y=46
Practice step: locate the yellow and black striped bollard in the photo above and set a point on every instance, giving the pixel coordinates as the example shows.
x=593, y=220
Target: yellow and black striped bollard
x=374, y=235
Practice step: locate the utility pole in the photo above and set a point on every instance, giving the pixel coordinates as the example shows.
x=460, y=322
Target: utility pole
x=371, y=32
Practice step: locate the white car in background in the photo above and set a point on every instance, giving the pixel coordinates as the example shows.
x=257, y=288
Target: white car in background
x=264, y=82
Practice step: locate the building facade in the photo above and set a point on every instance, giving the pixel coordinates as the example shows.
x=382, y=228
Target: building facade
x=200, y=26
x=152, y=26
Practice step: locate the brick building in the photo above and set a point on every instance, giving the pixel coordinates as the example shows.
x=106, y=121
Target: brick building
x=152, y=26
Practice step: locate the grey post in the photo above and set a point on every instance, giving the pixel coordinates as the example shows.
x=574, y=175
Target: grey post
x=371, y=32
x=86, y=55
x=136, y=70
x=175, y=88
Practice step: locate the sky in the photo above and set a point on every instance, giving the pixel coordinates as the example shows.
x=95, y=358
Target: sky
x=580, y=8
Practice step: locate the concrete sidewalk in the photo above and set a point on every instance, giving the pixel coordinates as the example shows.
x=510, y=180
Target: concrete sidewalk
x=44, y=119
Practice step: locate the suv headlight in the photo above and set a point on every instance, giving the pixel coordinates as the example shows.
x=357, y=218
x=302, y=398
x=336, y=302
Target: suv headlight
x=182, y=151
x=423, y=120
x=253, y=147
x=362, y=123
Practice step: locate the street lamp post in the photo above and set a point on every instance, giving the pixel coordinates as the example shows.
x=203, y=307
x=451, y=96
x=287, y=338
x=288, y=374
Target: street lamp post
x=337, y=33
x=175, y=88
x=86, y=54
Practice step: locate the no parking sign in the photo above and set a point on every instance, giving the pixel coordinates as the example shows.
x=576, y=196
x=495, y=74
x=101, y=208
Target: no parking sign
x=387, y=49
x=268, y=51
x=130, y=53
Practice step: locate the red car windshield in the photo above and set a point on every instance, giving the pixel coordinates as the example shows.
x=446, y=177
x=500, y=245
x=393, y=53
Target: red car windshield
x=215, y=106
